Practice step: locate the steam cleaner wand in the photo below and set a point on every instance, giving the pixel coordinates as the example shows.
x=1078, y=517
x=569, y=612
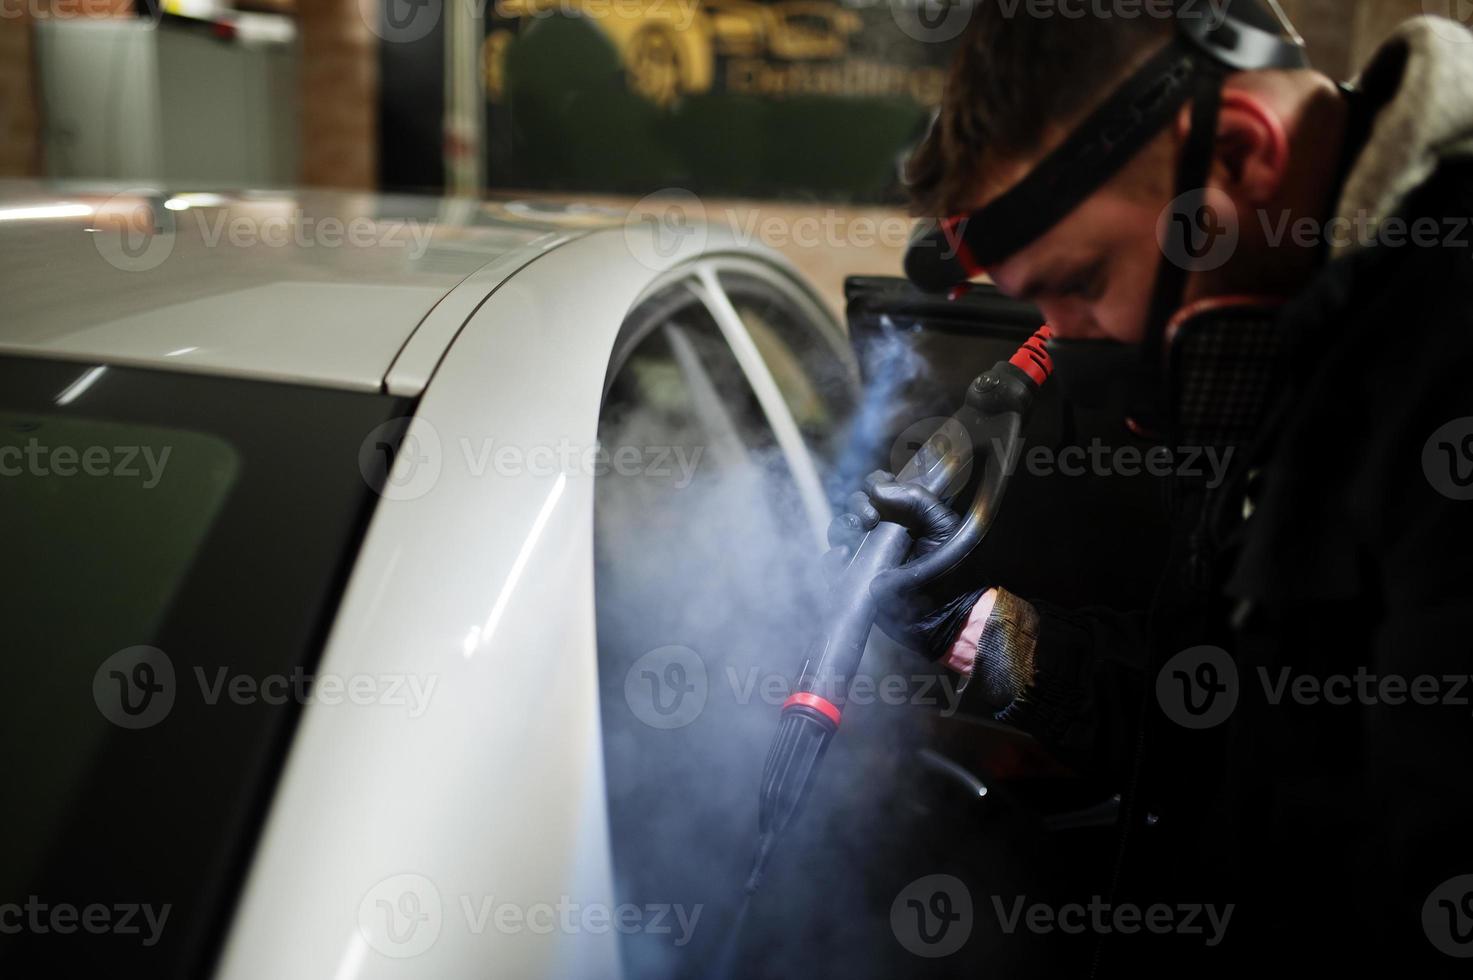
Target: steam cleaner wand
x=986, y=430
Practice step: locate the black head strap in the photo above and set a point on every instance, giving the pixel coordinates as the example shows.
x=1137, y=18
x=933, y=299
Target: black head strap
x=1194, y=167
x=1097, y=150
x=1251, y=37
x=944, y=253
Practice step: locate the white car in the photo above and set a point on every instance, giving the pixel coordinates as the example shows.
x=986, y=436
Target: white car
x=407, y=588
x=337, y=453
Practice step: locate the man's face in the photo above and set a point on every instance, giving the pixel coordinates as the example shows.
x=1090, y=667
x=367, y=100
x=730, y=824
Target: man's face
x=1093, y=273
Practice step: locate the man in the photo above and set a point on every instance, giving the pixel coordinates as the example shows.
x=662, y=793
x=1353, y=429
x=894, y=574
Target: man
x=1293, y=711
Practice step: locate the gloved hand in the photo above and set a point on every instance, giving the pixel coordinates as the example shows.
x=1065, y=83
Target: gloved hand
x=917, y=618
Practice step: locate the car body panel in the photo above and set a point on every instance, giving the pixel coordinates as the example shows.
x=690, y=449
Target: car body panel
x=473, y=586
x=318, y=287
x=484, y=581
x=422, y=352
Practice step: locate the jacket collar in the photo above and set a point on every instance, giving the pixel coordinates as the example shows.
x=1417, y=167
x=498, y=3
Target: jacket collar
x=1419, y=85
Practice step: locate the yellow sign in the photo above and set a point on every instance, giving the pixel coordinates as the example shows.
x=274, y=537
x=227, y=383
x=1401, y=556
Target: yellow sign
x=669, y=47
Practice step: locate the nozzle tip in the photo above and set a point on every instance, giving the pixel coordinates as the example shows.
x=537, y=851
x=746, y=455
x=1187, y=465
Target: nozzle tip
x=759, y=864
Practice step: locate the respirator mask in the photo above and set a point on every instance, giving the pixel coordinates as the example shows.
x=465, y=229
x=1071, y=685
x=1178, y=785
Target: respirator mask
x=1210, y=43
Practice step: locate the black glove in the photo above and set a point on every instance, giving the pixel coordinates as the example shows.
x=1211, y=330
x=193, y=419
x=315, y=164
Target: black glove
x=917, y=618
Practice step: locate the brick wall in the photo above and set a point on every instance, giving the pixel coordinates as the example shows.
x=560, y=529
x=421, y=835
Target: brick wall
x=339, y=77
x=20, y=120
x=19, y=127
x=339, y=95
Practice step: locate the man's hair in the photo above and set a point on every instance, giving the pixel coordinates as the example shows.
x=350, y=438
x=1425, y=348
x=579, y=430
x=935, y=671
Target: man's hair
x=1014, y=77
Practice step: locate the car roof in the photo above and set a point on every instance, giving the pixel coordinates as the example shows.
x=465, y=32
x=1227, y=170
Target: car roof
x=318, y=287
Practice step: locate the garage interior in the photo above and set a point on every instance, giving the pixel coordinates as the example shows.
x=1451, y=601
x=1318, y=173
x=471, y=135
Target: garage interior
x=513, y=133
x=308, y=95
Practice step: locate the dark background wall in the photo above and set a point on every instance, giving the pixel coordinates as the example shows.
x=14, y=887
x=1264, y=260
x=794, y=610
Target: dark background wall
x=348, y=137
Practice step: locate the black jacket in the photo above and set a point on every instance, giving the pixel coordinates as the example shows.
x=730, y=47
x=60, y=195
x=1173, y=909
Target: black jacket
x=1333, y=806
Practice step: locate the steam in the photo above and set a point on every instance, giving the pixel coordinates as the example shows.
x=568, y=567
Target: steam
x=710, y=593
x=893, y=366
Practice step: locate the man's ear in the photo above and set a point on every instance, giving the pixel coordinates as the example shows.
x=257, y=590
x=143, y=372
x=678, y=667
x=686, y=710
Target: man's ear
x=1252, y=147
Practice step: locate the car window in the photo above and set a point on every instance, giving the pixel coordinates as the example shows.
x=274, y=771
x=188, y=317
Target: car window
x=172, y=543
x=810, y=364
x=702, y=571
x=96, y=547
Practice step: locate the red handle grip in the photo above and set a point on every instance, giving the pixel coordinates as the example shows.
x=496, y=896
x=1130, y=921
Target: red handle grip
x=1033, y=359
